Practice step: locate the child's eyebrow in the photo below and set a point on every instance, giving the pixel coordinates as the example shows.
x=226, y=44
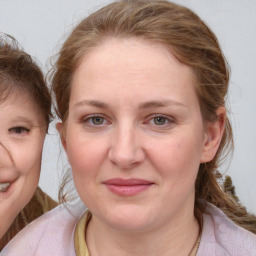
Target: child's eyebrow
x=23, y=119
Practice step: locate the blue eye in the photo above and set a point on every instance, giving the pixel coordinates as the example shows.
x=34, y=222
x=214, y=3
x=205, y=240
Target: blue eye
x=18, y=130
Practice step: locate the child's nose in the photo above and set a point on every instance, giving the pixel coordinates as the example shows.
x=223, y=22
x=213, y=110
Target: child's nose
x=5, y=156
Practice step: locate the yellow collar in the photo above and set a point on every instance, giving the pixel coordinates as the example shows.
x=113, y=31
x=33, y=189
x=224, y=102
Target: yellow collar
x=80, y=239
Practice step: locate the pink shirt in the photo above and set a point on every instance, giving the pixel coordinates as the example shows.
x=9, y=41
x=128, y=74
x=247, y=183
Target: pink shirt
x=53, y=235
x=222, y=237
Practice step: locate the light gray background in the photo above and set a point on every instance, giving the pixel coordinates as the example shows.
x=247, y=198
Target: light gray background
x=40, y=26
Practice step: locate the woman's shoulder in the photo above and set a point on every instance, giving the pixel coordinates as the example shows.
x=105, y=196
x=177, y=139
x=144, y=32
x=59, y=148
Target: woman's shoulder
x=222, y=237
x=50, y=234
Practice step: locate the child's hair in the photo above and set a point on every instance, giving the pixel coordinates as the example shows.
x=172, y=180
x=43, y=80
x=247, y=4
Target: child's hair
x=192, y=42
x=20, y=73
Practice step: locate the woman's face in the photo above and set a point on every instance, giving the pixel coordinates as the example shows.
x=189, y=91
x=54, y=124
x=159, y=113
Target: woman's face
x=21, y=142
x=134, y=135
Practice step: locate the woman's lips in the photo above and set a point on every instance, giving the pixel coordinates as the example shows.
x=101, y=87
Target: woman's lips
x=127, y=187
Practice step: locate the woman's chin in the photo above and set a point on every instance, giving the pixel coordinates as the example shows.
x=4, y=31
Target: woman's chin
x=129, y=220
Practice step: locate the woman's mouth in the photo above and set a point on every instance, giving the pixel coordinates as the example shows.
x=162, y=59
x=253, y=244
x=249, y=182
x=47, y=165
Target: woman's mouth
x=127, y=187
x=4, y=186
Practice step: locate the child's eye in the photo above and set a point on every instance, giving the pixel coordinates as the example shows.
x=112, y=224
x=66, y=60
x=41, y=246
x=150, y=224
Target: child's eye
x=18, y=130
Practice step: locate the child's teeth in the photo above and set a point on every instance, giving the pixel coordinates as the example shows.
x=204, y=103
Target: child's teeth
x=4, y=187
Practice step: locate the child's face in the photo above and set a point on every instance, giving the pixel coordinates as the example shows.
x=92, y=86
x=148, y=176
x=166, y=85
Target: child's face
x=22, y=133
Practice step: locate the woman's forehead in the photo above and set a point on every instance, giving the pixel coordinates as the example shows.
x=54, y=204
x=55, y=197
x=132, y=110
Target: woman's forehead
x=131, y=57
x=120, y=68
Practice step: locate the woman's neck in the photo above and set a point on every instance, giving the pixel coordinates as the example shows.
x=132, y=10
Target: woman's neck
x=177, y=237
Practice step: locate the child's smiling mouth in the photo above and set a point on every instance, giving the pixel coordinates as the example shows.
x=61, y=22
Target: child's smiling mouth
x=4, y=186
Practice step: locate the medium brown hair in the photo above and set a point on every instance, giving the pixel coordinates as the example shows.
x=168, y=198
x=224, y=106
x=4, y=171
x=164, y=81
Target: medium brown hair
x=20, y=73
x=192, y=42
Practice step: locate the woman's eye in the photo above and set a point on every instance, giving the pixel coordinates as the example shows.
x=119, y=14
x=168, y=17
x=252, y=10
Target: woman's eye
x=160, y=120
x=94, y=120
x=97, y=120
x=18, y=130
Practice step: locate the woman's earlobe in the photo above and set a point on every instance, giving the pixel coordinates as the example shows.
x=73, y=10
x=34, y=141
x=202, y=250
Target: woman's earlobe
x=213, y=135
x=60, y=129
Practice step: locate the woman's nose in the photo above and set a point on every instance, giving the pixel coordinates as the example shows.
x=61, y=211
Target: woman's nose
x=126, y=150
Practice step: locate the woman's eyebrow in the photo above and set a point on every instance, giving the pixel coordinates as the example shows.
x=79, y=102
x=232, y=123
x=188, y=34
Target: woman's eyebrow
x=164, y=103
x=149, y=104
x=94, y=103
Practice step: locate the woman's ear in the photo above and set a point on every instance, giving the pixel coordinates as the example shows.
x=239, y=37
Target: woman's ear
x=61, y=130
x=213, y=135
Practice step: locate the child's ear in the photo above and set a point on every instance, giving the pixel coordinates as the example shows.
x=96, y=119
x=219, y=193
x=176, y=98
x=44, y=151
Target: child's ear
x=61, y=130
x=213, y=135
